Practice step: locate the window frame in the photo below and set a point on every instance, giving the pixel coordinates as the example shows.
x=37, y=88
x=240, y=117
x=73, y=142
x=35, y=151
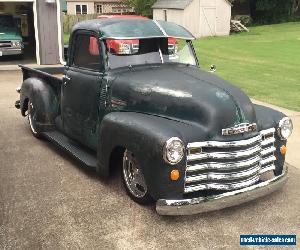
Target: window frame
x=100, y=6
x=82, y=9
x=80, y=12
x=73, y=49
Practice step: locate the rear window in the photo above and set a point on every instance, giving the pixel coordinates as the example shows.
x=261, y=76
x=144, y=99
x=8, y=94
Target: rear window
x=87, y=53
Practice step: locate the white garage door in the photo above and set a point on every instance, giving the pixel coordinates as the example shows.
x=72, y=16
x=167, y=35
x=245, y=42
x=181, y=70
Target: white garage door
x=208, y=21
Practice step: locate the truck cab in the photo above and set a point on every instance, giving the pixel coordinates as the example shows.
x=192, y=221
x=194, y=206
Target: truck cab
x=11, y=42
x=182, y=137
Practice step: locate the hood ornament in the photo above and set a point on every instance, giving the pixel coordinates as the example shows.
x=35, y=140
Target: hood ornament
x=240, y=129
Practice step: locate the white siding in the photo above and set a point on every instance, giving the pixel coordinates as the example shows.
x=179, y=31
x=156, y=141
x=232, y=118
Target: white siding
x=191, y=18
x=223, y=18
x=201, y=17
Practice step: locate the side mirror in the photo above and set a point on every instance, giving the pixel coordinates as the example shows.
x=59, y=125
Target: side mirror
x=213, y=68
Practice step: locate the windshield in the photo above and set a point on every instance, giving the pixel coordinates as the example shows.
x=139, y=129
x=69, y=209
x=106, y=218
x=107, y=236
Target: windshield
x=125, y=53
x=6, y=21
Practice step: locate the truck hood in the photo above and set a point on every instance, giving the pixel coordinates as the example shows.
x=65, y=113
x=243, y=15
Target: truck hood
x=183, y=93
x=9, y=34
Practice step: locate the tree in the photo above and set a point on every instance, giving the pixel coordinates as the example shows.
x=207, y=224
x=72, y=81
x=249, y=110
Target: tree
x=295, y=5
x=141, y=7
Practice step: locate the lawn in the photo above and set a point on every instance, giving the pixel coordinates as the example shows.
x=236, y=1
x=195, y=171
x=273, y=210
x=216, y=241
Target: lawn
x=265, y=62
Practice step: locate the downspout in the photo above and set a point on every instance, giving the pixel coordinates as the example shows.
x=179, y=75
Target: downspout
x=60, y=32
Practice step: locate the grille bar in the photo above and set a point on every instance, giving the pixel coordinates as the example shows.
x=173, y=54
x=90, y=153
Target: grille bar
x=220, y=186
x=225, y=144
x=267, y=168
x=224, y=166
x=224, y=176
x=225, y=155
x=268, y=160
x=268, y=151
x=214, y=165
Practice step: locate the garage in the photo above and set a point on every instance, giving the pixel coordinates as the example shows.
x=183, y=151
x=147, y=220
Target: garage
x=30, y=32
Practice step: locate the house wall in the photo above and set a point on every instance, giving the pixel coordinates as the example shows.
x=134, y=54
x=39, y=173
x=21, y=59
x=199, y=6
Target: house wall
x=113, y=8
x=71, y=7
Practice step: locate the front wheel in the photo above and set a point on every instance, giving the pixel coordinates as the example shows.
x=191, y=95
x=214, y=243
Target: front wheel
x=32, y=119
x=133, y=179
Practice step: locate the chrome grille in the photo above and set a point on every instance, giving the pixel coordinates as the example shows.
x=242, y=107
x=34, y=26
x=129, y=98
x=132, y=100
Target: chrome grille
x=5, y=44
x=214, y=165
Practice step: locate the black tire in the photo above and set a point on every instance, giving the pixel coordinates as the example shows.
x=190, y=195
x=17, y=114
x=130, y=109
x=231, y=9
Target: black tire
x=32, y=120
x=133, y=180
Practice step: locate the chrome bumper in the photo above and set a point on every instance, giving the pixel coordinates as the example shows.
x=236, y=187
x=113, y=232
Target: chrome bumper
x=216, y=202
x=11, y=52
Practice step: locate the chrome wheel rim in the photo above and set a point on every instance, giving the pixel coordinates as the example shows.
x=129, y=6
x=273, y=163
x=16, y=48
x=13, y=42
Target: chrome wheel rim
x=133, y=176
x=31, y=117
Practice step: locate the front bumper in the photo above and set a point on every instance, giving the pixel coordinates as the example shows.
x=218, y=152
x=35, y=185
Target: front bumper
x=217, y=202
x=11, y=51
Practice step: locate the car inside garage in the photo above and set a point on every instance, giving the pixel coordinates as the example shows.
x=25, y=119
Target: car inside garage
x=17, y=33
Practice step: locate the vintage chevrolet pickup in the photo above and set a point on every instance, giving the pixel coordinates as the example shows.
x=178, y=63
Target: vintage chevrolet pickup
x=182, y=136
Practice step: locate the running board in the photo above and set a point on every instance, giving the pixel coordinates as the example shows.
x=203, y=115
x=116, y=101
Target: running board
x=76, y=150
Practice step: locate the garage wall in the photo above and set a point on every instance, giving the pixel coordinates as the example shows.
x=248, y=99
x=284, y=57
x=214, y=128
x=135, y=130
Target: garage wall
x=48, y=33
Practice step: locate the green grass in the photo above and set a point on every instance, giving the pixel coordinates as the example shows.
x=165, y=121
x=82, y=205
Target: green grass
x=265, y=63
x=66, y=38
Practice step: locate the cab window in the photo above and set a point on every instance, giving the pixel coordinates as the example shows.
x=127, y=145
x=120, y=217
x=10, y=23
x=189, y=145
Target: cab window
x=87, y=53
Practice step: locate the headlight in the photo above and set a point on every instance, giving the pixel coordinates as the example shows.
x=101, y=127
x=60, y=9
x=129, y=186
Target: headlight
x=17, y=44
x=285, y=128
x=173, y=151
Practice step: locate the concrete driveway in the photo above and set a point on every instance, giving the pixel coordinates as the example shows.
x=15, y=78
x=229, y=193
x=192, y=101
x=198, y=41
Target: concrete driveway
x=48, y=201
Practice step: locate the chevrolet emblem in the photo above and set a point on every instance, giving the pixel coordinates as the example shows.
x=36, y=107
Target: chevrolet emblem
x=240, y=129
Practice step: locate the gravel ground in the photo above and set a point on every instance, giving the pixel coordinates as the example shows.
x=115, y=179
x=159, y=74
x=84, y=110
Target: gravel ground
x=48, y=201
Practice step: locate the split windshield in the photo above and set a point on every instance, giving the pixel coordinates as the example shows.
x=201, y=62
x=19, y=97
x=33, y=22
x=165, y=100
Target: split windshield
x=6, y=21
x=130, y=52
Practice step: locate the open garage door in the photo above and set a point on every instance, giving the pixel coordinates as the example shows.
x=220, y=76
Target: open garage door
x=17, y=33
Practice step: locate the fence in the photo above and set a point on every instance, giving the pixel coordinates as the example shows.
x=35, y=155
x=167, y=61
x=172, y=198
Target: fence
x=71, y=20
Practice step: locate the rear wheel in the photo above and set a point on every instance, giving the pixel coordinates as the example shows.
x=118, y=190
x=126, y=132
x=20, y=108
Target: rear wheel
x=32, y=119
x=133, y=179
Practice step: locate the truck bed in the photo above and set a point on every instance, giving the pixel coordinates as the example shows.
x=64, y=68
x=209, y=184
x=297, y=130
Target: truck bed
x=52, y=75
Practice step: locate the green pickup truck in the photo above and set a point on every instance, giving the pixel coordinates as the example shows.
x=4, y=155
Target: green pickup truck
x=181, y=136
x=10, y=38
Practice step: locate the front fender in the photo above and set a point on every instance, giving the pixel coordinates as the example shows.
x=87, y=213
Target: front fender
x=44, y=98
x=145, y=136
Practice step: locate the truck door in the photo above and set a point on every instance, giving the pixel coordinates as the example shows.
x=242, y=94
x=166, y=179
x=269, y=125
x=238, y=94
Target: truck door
x=81, y=89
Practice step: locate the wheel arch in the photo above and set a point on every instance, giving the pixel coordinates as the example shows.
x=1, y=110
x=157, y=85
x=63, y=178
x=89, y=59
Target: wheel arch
x=45, y=99
x=145, y=136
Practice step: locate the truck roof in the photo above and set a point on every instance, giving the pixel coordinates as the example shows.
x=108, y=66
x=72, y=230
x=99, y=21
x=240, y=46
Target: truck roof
x=122, y=28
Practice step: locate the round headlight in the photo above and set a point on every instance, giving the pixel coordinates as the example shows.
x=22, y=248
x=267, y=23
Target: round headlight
x=173, y=151
x=16, y=43
x=285, y=128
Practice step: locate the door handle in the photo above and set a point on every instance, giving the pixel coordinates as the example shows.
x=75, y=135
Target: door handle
x=66, y=80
